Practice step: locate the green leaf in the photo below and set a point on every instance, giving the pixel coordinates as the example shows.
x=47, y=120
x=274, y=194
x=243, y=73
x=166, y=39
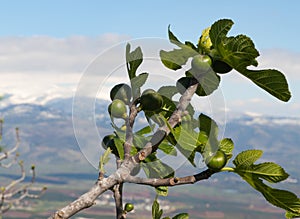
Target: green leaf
x=210, y=128
x=280, y=198
x=219, y=30
x=156, y=211
x=104, y=158
x=246, y=159
x=137, y=82
x=268, y=171
x=188, y=141
x=239, y=52
x=133, y=60
x=271, y=80
x=208, y=83
x=155, y=168
x=176, y=58
x=146, y=130
x=181, y=216
x=167, y=148
x=226, y=145
x=173, y=39
x=162, y=190
x=204, y=42
x=208, y=125
x=120, y=147
x=291, y=215
x=168, y=91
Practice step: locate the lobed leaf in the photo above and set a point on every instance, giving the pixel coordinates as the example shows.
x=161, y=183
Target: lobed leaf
x=155, y=168
x=187, y=141
x=246, y=159
x=219, y=30
x=268, y=171
x=137, y=82
x=239, y=52
x=133, y=60
x=280, y=198
x=271, y=80
x=176, y=58
x=207, y=83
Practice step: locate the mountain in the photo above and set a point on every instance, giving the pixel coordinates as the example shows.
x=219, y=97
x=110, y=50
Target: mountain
x=49, y=140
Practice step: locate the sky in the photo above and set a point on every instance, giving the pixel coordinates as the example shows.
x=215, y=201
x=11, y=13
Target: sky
x=47, y=46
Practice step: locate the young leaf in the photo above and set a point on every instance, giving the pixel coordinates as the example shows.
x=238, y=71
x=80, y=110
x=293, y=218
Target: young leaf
x=162, y=190
x=246, y=159
x=204, y=42
x=156, y=211
x=104, y=158
x=226, y=145
x=133, y=60
x=181, y=216
x=290, y=215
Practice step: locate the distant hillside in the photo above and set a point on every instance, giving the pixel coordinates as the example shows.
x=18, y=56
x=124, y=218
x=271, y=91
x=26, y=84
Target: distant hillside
x=48, y=138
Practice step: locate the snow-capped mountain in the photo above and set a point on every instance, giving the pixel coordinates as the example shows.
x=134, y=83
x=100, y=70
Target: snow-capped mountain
x=48, y=132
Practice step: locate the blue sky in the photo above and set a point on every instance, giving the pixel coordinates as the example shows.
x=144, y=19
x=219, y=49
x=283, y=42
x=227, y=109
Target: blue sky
x=273, y=26
x=273, y=23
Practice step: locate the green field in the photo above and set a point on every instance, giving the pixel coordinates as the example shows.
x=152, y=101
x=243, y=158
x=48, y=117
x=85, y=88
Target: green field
x=219, y=197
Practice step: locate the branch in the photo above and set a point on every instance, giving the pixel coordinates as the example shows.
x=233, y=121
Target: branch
x=10, y=196
x=159, y=136
x=87, y=199
x=174, y=181
x=118, y=196
x=129, y=133
x=6, y=154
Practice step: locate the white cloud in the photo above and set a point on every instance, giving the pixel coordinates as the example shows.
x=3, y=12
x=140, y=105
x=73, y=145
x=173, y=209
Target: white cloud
x=42, y=53
x=43, y=66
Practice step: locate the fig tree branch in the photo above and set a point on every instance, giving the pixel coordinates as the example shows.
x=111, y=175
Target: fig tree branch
x=103, y=184
x=159, y=136
x=174, y=181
